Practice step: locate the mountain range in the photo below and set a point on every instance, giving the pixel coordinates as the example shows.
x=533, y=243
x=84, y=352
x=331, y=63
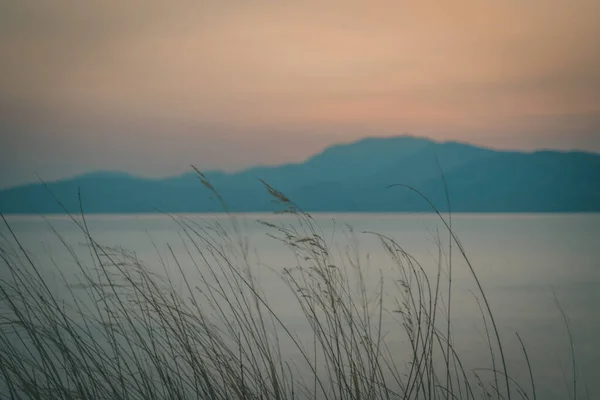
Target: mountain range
x=353, y=177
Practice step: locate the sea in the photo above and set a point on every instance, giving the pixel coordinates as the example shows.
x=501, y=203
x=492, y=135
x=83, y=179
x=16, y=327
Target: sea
x=540, y=273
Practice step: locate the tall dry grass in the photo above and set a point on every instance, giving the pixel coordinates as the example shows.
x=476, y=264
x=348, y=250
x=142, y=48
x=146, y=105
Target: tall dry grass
x=199, y=324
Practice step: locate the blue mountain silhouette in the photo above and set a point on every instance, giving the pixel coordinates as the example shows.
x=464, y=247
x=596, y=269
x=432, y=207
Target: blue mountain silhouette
x=345, y=177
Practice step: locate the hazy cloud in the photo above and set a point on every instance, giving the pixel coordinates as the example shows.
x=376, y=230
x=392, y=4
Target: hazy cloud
x=226, y=83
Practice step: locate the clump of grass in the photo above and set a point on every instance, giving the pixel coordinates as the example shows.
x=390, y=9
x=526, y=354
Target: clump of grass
x=197, y=323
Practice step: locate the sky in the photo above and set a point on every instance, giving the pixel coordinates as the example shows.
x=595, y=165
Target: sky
x=150, y=87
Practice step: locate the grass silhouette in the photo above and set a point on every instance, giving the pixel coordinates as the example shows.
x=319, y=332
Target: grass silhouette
x=199, y=325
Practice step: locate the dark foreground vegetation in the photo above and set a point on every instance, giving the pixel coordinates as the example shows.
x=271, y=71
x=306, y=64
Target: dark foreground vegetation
x=201, y=326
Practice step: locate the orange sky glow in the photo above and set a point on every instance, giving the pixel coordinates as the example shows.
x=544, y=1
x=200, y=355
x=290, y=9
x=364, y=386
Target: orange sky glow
x=230, y=83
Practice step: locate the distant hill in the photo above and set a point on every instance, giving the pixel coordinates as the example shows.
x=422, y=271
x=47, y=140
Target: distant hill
x=346, y=177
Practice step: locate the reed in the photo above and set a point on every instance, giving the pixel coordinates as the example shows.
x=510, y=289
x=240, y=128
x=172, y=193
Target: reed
x=198, y=324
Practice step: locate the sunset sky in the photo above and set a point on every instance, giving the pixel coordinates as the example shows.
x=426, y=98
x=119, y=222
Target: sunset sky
x=150, y=87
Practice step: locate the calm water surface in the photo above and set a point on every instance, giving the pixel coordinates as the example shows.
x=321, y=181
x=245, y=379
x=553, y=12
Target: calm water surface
x=523, y=261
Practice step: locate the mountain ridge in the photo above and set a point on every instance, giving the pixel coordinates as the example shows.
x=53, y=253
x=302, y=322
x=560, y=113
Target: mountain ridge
x=346, y=177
